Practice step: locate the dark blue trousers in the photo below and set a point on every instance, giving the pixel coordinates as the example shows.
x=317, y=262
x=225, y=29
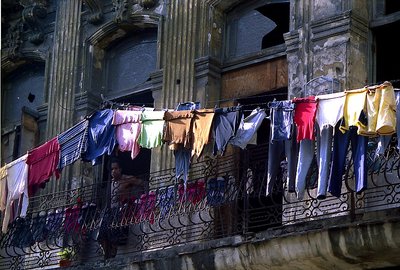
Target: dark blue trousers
x=359, y=155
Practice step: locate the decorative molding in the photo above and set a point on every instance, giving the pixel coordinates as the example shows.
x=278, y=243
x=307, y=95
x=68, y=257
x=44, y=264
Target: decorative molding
x=148, y=3
x=33, y=11
x=14, y=39
x=122, y=9
x=96, y=11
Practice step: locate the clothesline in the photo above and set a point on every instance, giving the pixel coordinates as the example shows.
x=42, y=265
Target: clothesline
x=187, y=130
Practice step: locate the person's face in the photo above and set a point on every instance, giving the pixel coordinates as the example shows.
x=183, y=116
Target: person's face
x=115, y=171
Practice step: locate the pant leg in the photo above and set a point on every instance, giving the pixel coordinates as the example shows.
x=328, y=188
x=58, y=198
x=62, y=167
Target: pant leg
x=383, y=144
x=291, y=152
x=275, y=152
x=340, y=145
x=306, y=154
x=324, y=161
x=359, y=153
x=182, y=163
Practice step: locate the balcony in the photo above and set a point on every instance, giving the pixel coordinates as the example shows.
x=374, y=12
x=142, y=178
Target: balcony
x=223, y=205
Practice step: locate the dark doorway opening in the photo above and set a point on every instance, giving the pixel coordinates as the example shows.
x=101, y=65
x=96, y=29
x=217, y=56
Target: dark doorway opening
x=260, y=212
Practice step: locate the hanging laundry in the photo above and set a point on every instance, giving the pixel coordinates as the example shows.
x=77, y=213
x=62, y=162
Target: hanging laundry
x=329, y=113
x=21, y=233
x=166, y=200
x=178, y=134
x=306, y=155
x=384, y=140
x=225, y=125
x=216, y=191
x=146, y=207
x=248, y=128
x=178, y=127
x=73, y=143
x=43, y=162
x=282, y=144
x=128, y=128
x=358, y=149
x=194, y=193
x=16, y=180
x=101, y=136
x=188, y=106
x=71, y=224
x=380, y=111
x=39, y=231
x=182, y=162
x=354, y=109
x=202, y=123
x=304, y=117
x=281, y=115
x=152, y=129
x=3, y=189
x=54, y=222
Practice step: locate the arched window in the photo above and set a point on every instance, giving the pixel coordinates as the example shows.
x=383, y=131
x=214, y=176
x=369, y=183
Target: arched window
x=130, y=61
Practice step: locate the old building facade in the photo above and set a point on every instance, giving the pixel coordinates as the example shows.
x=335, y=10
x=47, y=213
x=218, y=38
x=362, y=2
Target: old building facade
x=62, y=60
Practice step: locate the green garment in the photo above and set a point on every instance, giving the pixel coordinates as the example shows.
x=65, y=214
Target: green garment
x=152, y=129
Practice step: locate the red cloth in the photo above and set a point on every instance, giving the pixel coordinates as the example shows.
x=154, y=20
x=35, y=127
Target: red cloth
x=195, y=192
x=304, y=117
x=42, y=162
x=146, y=207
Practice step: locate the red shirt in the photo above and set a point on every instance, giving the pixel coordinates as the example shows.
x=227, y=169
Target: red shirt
x=304, y=117
x=42, y=162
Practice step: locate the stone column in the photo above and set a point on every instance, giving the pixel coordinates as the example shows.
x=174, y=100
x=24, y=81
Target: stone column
x=64, y=76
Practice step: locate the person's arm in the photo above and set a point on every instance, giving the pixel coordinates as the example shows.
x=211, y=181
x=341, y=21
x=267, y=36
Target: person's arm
x=132, y=180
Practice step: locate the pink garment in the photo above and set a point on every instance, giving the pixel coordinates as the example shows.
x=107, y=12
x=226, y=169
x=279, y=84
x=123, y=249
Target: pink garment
x=128, y=130
x=146, y=207
x=195, y=192
x=304, y=117
x=42, y=162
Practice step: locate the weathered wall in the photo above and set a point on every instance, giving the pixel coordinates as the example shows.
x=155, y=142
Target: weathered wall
x=372, y=243
x=327, y=38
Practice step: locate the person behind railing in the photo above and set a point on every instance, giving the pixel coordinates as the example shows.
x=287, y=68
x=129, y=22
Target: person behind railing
x=114, y=226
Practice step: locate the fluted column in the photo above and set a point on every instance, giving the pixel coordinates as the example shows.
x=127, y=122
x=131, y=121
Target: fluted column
x=180, y=43
x=63, y=75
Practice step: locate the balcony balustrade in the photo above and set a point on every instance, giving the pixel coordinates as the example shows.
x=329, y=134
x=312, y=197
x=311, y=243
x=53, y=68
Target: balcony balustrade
x=224, y=196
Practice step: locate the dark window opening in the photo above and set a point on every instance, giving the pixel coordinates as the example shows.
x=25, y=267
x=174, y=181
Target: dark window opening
x=387, y=54
x=22, y=88
x=279, y=14
x=392, y=6
x=250, y=31
x=261, y=212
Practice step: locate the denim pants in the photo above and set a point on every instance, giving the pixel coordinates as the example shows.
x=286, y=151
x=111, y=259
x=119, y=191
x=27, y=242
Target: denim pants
x=324, y=155
x=281, y=113
x=277, y=151
x=359, y=154
x=306, y=155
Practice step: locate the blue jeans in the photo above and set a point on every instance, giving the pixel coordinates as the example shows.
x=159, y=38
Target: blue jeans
x=306, y=155
x=359, y=154
x=281, y=113
x=324, y=157
x=277, y=151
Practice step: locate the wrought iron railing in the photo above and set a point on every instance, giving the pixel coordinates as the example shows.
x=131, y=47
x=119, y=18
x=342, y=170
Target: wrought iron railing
x=225, y=196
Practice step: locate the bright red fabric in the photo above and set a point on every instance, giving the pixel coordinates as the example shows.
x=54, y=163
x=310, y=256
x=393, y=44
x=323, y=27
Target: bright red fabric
x=304, y=117
x=42, y=162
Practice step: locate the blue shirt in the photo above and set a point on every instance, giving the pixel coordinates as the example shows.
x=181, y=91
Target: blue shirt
x=101, y=136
